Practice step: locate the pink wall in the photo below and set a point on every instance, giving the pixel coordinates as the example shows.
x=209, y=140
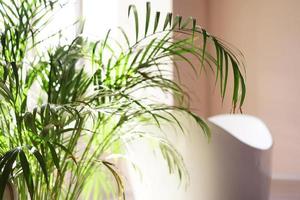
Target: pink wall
x=197, y=88
x=268, y=33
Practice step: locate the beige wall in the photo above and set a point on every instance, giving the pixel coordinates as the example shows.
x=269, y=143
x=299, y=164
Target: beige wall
x=268, y=33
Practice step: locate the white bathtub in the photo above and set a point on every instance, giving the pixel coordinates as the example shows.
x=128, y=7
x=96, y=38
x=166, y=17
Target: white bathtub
x=241, y=154
x=235, y=165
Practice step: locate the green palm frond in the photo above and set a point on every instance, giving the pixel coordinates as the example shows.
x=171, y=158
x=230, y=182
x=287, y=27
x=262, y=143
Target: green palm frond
x=179, y=39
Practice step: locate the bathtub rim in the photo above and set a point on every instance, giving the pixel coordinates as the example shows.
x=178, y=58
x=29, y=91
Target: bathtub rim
x=234, y=124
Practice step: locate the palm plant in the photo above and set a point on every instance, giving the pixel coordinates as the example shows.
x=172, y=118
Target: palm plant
x=87, y=105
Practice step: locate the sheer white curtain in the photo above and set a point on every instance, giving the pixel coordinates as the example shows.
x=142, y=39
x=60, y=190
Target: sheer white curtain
x=100, y=16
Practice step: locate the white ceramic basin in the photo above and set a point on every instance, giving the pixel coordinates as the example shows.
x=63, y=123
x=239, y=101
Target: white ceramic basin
x=241, y=147
x=234, y=165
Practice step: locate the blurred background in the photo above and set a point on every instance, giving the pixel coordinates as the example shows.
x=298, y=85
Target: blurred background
x=268, y=34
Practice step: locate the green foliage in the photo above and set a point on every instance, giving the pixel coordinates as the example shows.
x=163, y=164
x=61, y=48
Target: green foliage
x=52, y=151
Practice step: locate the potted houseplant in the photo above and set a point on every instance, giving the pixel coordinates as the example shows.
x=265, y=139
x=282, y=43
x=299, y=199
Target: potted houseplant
x=87, y=101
